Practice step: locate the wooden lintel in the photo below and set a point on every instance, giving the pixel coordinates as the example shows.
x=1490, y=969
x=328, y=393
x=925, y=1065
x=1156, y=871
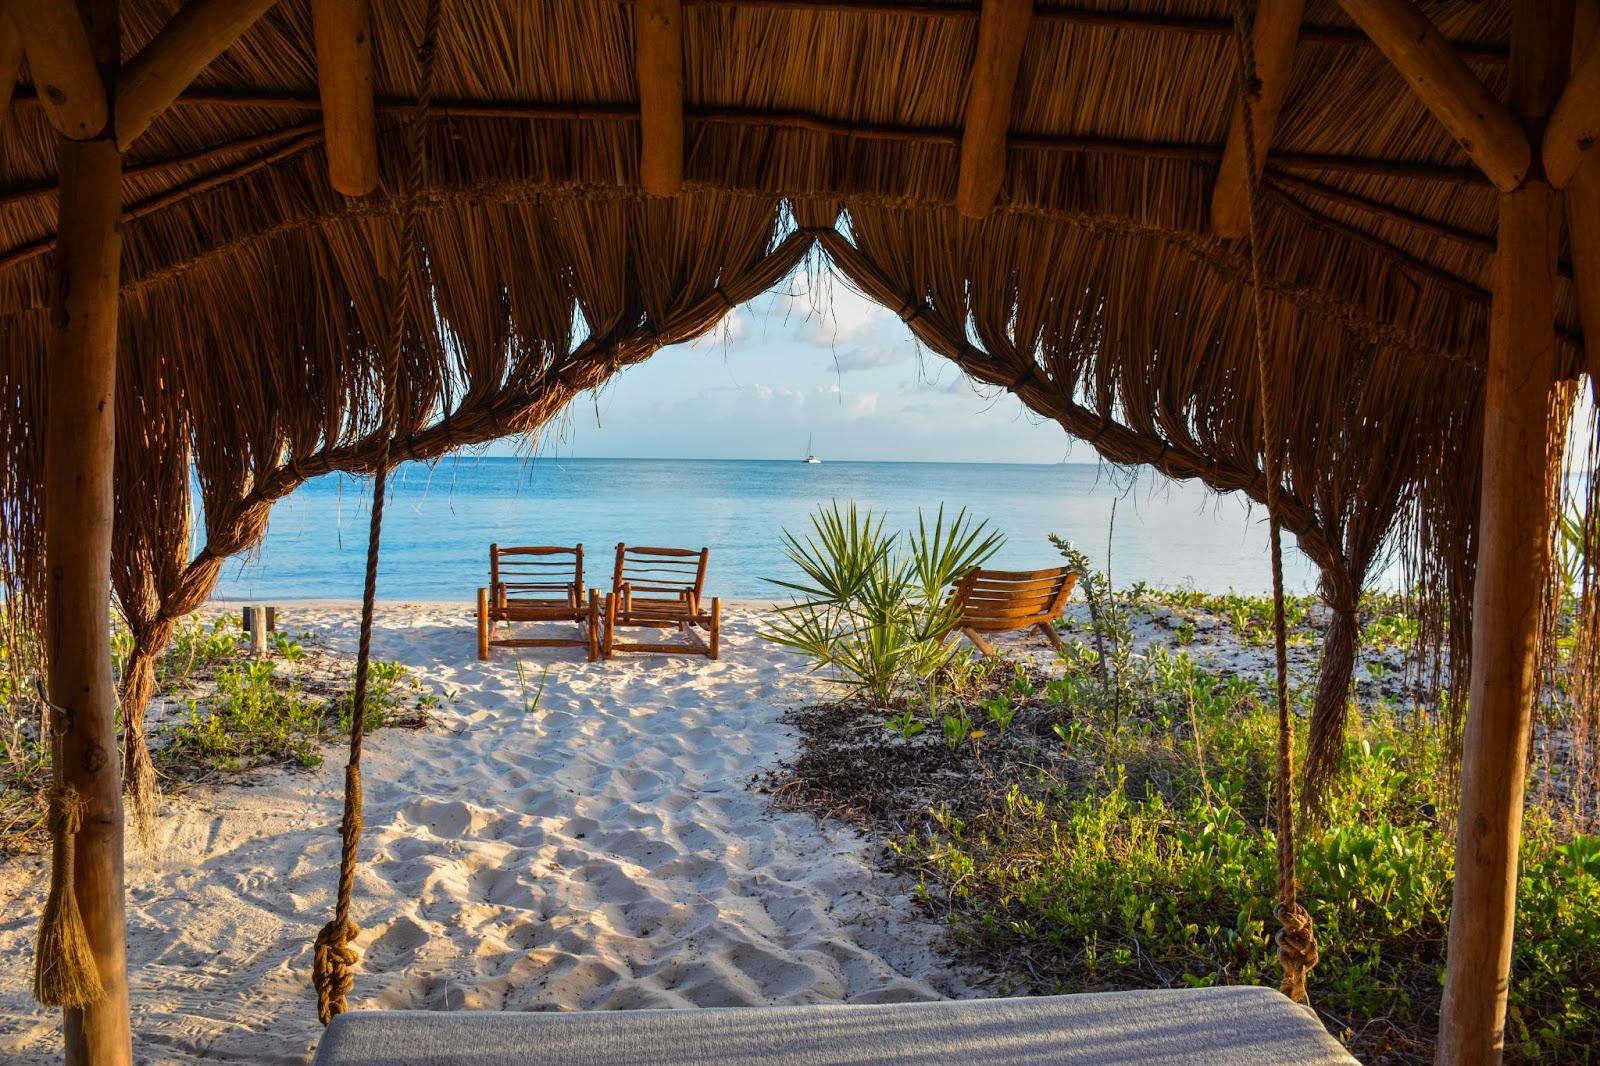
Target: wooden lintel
x=343, y=33
x=64, y=72
x=1575, y=123
x=1275, y=33
x=1002, y=32
x=197, y=34
x=1475, y=117
x=658, y=62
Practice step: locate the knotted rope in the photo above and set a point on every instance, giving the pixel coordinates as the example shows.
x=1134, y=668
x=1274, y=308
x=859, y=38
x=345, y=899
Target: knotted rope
x=334, y=958
x=1296, y=939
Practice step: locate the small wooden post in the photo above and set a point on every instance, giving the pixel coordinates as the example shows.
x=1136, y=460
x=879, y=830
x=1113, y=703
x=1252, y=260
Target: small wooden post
x=78, y=447
x=343, y=33
x=1513, y=531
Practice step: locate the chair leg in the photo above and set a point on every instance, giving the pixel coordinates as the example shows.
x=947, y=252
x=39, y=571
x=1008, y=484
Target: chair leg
x=594, y=625
x=1053, y=635
x=716, y=627
x=983, y=645
x=611, y=625
x=483, y=625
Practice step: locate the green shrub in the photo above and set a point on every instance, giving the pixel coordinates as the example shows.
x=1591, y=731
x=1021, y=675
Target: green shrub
x=872, y=608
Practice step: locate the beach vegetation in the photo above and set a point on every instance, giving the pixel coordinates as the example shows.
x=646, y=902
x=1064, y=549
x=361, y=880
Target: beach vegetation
x=872, y=608
x=1114, y=829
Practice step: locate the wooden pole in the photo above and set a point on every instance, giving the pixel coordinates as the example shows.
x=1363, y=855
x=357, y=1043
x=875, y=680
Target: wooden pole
x=1275, y=32
x=1002, y=32
x=1583, y=214
x=1513, y=540
x=1475, y=117
x=658, y=63
x=1575, y=123
x=62, y=64
x=78, y=449
x=200, y=32
x=343, y=31
x=10, y=61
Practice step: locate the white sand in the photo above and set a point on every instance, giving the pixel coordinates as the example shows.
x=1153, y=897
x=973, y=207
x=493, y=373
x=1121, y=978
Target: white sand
x=603, y=852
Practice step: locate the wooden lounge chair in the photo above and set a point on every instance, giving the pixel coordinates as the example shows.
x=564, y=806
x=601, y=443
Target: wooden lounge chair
x=538, y=584
x=661, y=588
x=1003, y=601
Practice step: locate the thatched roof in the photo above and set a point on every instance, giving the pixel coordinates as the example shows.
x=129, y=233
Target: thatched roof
x=255, y=296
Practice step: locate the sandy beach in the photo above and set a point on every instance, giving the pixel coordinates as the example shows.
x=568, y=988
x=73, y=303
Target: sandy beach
x=605, y=850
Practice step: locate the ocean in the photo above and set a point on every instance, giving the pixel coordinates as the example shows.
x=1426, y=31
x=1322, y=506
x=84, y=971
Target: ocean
x=441, y=519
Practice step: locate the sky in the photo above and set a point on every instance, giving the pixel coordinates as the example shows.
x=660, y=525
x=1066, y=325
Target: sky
x=821, y=364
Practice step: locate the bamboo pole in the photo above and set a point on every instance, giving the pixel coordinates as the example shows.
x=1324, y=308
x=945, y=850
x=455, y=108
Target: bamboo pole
x=200, y=32
x=78, y=448
x=1275, y=33
x=1002, y=32
x=1512, y=567
x=62, y=65
x=343, y=32
x=658, y=63
x=1475, y=117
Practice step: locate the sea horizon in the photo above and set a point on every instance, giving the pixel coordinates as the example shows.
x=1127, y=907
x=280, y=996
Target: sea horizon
x=442, y=517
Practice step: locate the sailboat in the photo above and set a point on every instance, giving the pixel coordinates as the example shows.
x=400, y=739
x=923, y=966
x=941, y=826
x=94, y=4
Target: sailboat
x=811, y=457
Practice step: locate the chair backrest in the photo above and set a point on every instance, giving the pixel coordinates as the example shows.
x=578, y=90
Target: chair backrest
x=1013, y=599
x=656, y=572
x=530, y=571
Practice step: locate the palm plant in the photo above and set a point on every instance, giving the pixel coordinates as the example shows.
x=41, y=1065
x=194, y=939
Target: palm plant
x=872, y=607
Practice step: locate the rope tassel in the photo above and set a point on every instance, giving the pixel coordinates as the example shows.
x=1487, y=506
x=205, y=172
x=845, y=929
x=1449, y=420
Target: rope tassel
x=64, y=970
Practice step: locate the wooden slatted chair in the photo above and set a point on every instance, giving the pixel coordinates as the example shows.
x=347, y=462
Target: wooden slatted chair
x=538, y=584
x=1003, y=601
x=662, y=588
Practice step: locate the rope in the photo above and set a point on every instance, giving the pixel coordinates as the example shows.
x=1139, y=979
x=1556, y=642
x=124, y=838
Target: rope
x=332, y=968
x=1296, y=939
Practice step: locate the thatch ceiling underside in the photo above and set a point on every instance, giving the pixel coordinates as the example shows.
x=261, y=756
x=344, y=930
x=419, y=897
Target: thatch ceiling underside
x=1120, y=115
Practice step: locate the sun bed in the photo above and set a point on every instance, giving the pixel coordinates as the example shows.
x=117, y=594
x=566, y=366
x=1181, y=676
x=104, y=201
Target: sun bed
x=1230, y=1026
x=661, y=588
x=537, y=584
x=1003, y=601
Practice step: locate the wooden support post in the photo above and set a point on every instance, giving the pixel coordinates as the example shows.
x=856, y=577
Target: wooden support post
x=1002, y=31
x=62, y=63
x=10, y=60
x=483, y=624
x=343, y=32
x=658, y=61
x=1583, y=214
x=78, y=451
x=1575, y=123
x=1275, y=33
x=1475, y=117
x=200, y=32
x=1513, y=539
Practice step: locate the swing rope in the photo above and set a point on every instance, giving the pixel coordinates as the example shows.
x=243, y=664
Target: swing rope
x=1296, y=939
x=332, y=970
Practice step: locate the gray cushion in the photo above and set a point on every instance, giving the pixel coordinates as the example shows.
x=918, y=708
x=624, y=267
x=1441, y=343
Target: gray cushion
x=1235, y=1025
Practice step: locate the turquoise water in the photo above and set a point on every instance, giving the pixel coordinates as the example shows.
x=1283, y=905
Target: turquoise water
x=441, y=519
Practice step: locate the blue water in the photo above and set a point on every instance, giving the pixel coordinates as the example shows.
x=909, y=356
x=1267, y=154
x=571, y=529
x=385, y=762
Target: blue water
x=441, y=519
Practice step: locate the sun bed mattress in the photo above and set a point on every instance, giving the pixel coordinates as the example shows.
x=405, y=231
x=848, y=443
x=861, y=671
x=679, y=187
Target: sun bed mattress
x=1239, y=1026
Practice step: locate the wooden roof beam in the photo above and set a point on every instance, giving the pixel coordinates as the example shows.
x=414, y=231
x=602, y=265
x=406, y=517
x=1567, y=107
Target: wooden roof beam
x=63, y=67
x=1002, y=31
x=342, y=30
x=1275, y=33
x=658, y=62
x=1475, y=117
x=1582, y=200
x=1575, y=123
x=10, y=60
x=200, y=32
